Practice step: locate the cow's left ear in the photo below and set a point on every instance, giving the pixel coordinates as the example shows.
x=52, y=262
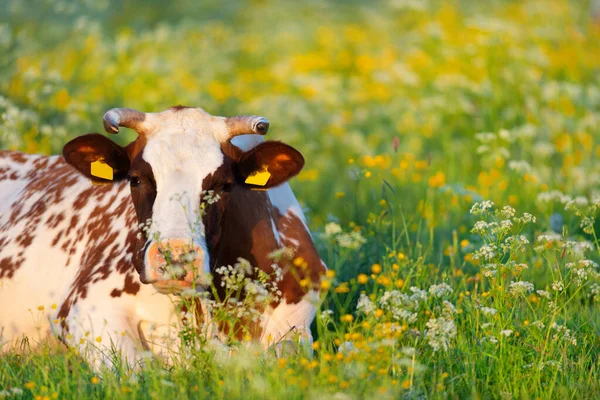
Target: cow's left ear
x=97, y=157
x=268, y=165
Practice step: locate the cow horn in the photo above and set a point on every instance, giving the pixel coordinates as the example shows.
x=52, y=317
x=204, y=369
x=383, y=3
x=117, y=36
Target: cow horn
x=126, y=117
x=245, y=125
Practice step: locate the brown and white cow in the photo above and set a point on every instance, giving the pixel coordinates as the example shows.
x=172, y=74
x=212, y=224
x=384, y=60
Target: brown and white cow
x=72, y=254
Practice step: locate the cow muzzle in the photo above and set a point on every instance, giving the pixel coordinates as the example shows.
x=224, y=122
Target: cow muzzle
x=174, y=265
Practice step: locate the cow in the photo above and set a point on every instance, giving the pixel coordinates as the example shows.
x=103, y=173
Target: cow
x=86, y=238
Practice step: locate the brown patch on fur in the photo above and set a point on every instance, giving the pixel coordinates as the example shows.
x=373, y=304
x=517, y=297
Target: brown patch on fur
x=293, y=230
x=18, y=157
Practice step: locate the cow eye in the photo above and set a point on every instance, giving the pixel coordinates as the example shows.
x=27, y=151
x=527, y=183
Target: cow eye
x=134, y=181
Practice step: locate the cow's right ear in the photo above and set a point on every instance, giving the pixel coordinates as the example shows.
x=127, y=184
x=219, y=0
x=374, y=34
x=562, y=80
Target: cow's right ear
x=97, y=157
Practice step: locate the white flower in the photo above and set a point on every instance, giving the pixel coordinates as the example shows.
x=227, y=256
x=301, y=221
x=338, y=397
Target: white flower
x=365, y=305
x=488, y=311
x=557, y=286
x=519, y=166
x=491, y=339
x=520, y=288
x=543, y=293
x=538, y=324
x=486, y=252
x=481, y=207
x=326, y=315
x=506, y=332
x=440, y=290
x=440, y=332
x=332, y=229
x=449, y=308
x=480, y=227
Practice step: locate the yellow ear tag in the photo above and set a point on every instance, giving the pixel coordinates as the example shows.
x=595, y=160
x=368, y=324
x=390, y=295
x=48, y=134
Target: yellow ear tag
x=102, y=170
x=259, y=178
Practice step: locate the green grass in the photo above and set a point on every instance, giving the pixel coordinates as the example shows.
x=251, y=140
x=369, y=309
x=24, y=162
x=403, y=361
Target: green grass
x=390, y=103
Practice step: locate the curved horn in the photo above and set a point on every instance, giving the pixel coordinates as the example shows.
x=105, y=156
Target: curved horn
x=124, y=117
x=245, y=125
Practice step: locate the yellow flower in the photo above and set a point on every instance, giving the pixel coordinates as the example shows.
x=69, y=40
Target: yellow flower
x=347, y=318
x=362, y=279
x=420, y=164
x=406, y=384
x=30, y=385
x=99, y=339
x=464, y=243
x=344, y=385
x=342, y=288
x=368, y=174
x=325, y=284
x=437, y=180
x=330, y=273
x=95, y=380
x=399, y=283
x=282, y=361
x=339, y=195
x=41, y=308
x=376, y=268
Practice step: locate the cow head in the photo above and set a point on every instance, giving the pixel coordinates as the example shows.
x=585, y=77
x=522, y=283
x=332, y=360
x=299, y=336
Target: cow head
x=181, y=163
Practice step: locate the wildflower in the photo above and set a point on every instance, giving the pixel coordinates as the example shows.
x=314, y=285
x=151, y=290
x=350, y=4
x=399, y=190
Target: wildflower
x=440, y=290
x=481, y=207
x=557, y=286
x=347, y=318
x=488, y=311
x=95, y=380
x=362, y=279
x=520, y=288
x=376, y=268
x=365, y=305
x=440, y=332
x=326, y=315
x=486, y=252
x=332, y=229
x=506, y=332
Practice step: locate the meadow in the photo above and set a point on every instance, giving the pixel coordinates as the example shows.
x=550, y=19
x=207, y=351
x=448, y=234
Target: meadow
x=451, y=182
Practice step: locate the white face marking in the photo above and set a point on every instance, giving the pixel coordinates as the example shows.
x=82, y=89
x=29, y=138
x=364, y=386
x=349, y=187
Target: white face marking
x=182, y=151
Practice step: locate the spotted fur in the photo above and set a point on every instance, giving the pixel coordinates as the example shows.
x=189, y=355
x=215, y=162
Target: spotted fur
x=68, y=250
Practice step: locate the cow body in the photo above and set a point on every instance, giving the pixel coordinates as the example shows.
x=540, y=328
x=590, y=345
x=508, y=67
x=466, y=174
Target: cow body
x=67, y=249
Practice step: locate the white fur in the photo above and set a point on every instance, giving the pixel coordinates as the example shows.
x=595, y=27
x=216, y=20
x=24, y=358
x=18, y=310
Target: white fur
x=289, y=322
x=181, y=153
x=32, y=298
